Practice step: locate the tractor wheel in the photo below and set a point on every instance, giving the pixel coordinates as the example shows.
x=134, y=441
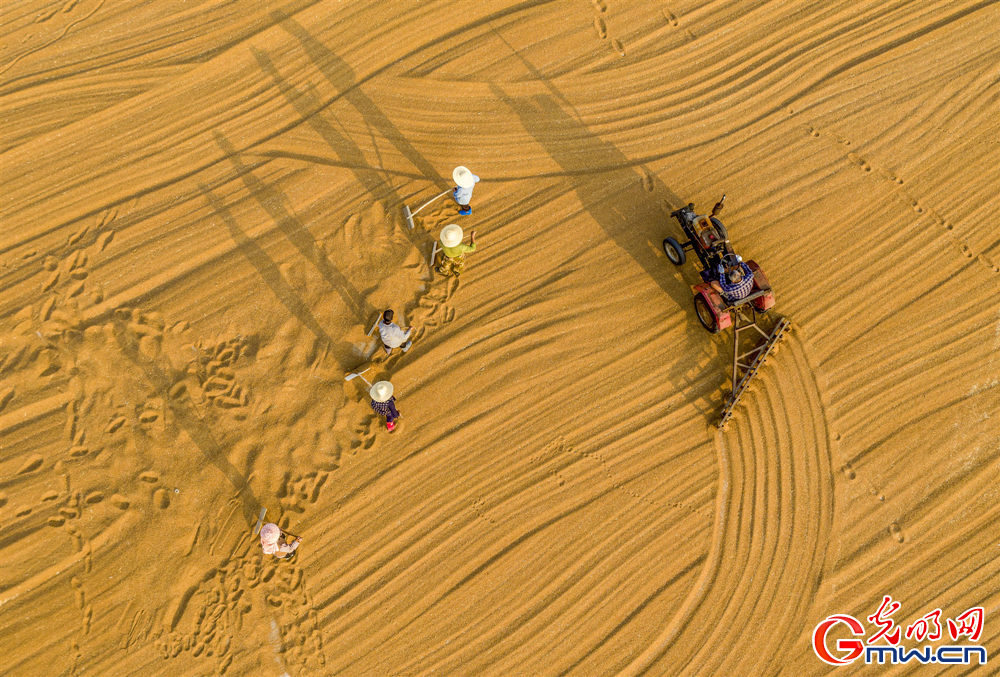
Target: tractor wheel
x=674, y=251
x=705, y=315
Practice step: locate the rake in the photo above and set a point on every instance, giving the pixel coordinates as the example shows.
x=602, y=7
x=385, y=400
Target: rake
x=354, y=375
x=435, y=249
x=408, y=215
x=260, y=521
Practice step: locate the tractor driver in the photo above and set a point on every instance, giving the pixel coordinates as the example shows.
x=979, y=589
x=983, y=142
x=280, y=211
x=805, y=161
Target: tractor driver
x=735, y=280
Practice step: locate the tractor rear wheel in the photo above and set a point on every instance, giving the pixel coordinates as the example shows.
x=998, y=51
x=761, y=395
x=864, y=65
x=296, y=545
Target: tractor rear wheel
x=674, y=251
x=705, y=315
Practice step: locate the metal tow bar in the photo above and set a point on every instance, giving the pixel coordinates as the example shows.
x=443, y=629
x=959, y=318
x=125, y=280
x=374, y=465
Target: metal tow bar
x=748, y=363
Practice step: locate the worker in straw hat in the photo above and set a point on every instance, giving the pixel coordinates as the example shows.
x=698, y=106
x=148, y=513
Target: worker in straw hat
x=384, y=403
x=451, y=261
x=273, y=540
x=465, y=181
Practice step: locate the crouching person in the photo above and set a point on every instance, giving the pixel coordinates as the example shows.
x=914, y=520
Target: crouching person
x=274, y=541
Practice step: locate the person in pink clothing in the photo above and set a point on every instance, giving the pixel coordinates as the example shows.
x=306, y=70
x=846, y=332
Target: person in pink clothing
x=273, y=540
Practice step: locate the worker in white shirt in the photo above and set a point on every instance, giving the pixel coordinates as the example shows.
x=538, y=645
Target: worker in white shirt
x=465, y=181
x=393, y=336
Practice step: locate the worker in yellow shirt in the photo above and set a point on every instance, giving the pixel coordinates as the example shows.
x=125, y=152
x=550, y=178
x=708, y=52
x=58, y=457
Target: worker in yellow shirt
x=451, y=260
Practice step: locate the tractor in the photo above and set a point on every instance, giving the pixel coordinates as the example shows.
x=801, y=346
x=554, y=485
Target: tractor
x=719, y=308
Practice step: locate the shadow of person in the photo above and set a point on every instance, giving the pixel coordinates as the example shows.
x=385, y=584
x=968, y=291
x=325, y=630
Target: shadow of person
x=269, y=271
x=162, y=380
x=273, y=202
x=631, y=206
x=610, y=189
x=313, y=111
x=344, y=80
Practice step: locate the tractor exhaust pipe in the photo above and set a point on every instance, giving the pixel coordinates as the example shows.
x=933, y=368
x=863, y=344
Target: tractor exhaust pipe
x=718, y=205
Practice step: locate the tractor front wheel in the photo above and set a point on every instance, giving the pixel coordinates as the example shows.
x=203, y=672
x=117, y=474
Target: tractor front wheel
x=674, y=251
x=705, y=315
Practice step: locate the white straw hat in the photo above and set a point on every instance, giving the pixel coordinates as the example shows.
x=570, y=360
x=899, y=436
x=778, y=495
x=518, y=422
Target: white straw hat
x=451, y=235
x=381, y=391
x=270, y=533
x=463, y=177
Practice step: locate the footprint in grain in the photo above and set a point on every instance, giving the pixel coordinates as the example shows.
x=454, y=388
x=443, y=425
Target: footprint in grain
x=619, y=47
x=896, y=532
x=79, y=598
x=32, y=463
x=6, y=395
x=46, y=310
x=51, y=281
x=87, y=611
x=149, y=476
x=149, y=415
x=161, y=498
x=601, y=28
x=859, y=161
x=104, y=240
x=75, y=238
x=115, y=424
x=88, y=616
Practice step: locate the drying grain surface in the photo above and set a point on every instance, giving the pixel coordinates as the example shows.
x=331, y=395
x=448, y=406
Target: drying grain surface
x=202, y=216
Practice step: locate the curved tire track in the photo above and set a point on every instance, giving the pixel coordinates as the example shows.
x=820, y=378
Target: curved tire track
x=769, y=546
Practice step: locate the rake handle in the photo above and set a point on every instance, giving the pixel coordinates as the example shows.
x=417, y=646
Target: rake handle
x=414, y=212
